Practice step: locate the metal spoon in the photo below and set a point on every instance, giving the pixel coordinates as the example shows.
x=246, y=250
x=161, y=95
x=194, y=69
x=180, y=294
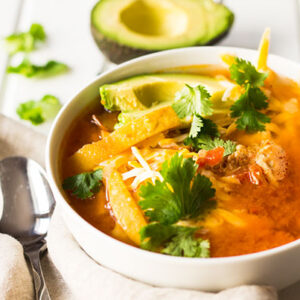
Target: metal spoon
x=26, y=206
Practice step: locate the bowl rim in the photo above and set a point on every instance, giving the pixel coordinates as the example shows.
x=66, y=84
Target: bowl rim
x=136, y=250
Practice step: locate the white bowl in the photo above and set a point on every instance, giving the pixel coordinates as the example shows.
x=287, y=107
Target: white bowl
x=278, y=267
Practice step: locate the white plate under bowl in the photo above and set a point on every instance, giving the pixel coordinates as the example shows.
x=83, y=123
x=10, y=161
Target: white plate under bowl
x=279, y=267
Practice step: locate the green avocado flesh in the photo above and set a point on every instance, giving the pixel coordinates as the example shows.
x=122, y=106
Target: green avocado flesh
x=152, y=25
x=143, y=91
x=136, y=95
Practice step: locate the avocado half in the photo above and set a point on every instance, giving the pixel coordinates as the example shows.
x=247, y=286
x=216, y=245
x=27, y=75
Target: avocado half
x=124, y=29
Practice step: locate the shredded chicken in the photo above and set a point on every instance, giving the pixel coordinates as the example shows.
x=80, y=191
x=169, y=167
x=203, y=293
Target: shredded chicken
x=266, y=163
x=273, y=160
x=235, y=162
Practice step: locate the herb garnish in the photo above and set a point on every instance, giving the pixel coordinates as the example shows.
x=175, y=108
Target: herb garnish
x=174, y=240
x=26, y=68
x=182, y=195
x=38, y=112
x=246, y=108
x=84, y=185
x=205, y=142
x=194, y=102
x=25, y=41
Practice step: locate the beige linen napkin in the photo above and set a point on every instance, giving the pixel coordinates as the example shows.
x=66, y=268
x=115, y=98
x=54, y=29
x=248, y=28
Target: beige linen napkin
x=70, y=273
x=15, y=279
x=88, y=280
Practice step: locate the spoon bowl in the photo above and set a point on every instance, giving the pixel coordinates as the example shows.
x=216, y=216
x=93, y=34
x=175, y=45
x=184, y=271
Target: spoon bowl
x=26, y=206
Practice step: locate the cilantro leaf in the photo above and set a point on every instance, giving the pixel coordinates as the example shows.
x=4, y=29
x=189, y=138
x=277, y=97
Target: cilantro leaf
x=25, y=41
x=185, y=244
x=209, y=144
x=38, y=112
x=38, y=32
x=201, y=127
x=197, y=125
x=181, y=195
x=26, y=68
x=84, y=185
x=246, y=110
x=173, y=240
x=243, y=72
x=192, y=101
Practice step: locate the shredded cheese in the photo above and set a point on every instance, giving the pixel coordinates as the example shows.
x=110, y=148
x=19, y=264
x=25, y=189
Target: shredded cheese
x=141, y=170
x=263, y=50
x=139, y=157
x=144, y=176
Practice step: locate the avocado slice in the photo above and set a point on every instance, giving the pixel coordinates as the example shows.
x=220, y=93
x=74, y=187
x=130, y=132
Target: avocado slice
x=140, y=94
x=124, y=29
x=126, y=117
x=144, y=91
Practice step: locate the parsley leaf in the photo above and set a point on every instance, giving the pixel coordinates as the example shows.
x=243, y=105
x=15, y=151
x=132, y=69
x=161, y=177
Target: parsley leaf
x=26, y=68
x=84, y=185
x=192, y=101
x=243, y=72
x=38, y=112
x=246, y=109
x=25, y=41
x=181, y=195
x=174, y=240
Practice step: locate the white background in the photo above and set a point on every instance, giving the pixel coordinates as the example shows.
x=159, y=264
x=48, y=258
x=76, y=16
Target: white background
x=67, y=25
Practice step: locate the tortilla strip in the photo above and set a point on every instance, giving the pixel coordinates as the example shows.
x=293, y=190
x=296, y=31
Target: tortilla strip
x=90, y=155
x=124, y=207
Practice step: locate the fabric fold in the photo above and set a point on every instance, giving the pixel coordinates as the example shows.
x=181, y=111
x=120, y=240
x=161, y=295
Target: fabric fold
x=89, y=280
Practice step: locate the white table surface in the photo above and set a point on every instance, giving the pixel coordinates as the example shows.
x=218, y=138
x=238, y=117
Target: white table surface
x=67, y=25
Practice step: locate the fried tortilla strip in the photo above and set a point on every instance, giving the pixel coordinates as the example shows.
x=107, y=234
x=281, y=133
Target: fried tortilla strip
x=124, y=207
x=90, y=155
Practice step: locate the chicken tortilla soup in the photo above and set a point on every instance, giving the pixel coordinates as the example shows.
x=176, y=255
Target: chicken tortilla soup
x=201, y=161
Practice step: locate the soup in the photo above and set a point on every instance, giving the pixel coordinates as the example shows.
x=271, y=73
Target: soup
x=200, y=161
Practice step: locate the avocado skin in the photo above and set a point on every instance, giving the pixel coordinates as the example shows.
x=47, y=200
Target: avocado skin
x=114, y=51
x=118, y=53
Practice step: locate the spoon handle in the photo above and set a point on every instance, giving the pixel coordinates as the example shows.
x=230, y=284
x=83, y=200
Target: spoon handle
x=33, y=254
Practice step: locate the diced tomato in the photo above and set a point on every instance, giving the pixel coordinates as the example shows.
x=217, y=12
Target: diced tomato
x=210, y=157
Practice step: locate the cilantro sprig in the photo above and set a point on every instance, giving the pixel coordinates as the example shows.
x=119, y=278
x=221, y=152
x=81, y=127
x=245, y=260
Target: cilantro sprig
x=84, y=185
x=208, y=138
x=174, y=240
x=38, y=112
x=244, y=73
x=247, y=108
x=25, y=41
x=182, y=195
x=206, y=142
x=193, y=102
x=27, y=69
